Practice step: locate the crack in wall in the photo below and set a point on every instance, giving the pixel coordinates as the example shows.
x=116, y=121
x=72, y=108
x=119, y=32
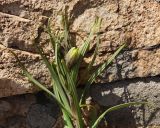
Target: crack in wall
x=40, y=30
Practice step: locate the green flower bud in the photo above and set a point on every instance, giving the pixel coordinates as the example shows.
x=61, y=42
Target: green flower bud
x=72, y=56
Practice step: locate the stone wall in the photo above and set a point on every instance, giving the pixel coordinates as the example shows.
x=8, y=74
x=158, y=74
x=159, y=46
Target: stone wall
x=138, y=21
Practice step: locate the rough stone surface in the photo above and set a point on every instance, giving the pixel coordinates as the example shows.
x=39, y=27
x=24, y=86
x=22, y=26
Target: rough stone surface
x=37, y=110
x=146, y=89
x=12, y=81
x=20, y=23
x=136, y=22
x=28, y=111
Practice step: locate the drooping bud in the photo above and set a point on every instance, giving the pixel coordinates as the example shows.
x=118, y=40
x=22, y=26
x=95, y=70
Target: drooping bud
x=72, y=56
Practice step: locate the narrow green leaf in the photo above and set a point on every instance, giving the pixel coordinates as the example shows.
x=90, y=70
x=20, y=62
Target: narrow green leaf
x=74, y=72
x=35, y=82
x=52, y=37
x=104, y=65
x=84, y=48
x=67, y=118
x=74, y=95
x=86, y=44
x=68, y=121
x=98, y=72
x=65, y=24
x=117, y=107
x=54, y=76
x=94, y=54
x=60, y=71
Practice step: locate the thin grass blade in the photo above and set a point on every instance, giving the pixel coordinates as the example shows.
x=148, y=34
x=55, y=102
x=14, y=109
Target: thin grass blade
x=74, y=72
x=60, y=71
x=52, y=37
x=117, y=107
x=104, y=65
x=98, y=72
x=65, y=24
x=94, y=54
x=74, y=95
x=54, y=77
x=84, y=48
x=66, y=117
x=35, y=82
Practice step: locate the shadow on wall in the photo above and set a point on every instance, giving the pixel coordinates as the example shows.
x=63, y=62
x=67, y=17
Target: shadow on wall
x=28, y=111
x=138, y=89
